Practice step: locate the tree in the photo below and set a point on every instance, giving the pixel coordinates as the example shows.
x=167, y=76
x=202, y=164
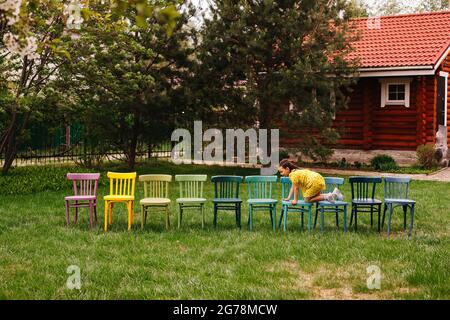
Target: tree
x=257, y=56
x=128, y=78
x=433, y=5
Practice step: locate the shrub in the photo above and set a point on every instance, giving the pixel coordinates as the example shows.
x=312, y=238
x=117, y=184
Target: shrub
x=383, y=162
x=283, y=154
x=425, y=156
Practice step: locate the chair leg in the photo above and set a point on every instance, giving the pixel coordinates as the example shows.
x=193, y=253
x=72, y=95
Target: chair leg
x=129, y=215
x=106, y=215
x=90, y=214
x=274, y=217
x=371, y=216
x=315, y=216
x=286, y=210
x=389, y=219
x=351, y=216
x=356, y=218
x=281, y=216
x=203, y=215
x=215, y=215
x=384, y=214
x=337, y=218
x=239, y=215
x=379, y=216
x=180, y=209
x=76, y=212
x=411, y=224
x=322, y=218
x=111, y=206
x=309, y=218
x=142, y=216
x=404, y=216
x=167, y=218
x=67, y=213
x=132, y=212
x=345, y=218
x=250, y=217
x=302, y=217
x=95, y=212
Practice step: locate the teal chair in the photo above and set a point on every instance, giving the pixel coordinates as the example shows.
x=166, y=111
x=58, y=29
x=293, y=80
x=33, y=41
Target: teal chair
x=191, y=194
x=336, y=207
x=226, y=196
x=301, y=207
x=363, y=198
x=396, y=195
x=260, y=197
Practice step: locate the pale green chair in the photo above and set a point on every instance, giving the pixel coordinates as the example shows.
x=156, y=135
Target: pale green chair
x=156, y=195
x=191, y=194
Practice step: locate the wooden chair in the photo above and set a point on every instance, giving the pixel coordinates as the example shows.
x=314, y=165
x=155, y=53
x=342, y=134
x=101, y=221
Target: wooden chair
x=156, y=195
x=363, y=198
x=336, y=207
x=301, y=207
x=226, y=196
x=396, y=195
x=191, y=194
x=260, y=197
x=85, y=187
x=121, y=189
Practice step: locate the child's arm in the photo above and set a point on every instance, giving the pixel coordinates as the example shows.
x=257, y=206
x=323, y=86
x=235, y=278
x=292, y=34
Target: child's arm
x=294, y=202
x=290, y=194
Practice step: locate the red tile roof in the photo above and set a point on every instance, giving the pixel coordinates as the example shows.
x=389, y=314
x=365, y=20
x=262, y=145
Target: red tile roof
x=403, y=40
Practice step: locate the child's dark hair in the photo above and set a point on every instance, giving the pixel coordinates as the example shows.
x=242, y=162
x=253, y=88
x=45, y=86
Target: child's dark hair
x=285, y=163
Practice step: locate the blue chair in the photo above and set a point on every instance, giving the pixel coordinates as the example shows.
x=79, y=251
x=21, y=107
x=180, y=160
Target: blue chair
x=302, y=207
x=396, y=195
x=363, y=198
x=336, y=207
x=260, y=197
x=226, y=196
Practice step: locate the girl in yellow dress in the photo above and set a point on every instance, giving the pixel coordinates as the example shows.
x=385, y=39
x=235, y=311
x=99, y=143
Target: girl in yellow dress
x=309, y=182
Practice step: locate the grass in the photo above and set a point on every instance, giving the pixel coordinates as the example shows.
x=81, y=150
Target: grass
x=36, y=248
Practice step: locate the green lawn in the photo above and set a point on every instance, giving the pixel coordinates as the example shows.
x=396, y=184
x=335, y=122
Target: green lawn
x=36, y=249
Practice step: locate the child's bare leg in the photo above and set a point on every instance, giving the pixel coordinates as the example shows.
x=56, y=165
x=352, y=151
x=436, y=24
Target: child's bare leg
x=317, y=198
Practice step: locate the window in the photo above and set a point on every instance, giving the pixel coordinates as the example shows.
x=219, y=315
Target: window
x=395, y=91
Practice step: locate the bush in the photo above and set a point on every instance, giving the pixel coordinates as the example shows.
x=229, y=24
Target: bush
x=425, y=156
x=283, y=154
x=383, y=162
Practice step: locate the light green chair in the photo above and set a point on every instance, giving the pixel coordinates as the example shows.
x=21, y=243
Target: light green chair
x=191, y=194
x=260, y=197
x=156, y=193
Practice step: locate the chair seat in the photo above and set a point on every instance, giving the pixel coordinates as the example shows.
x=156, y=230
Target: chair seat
x=399, y=201
x=155, y=201
x=336, y=203
x=79, y=198
x=299, y=203
x=227, y=200
x=262, y=201
x=191, y=200
x=366, y=201
x=118, y=198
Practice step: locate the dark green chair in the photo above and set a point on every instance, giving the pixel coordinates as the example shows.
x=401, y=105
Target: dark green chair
x=363, y=198
x=226, y=196
x=260, y=197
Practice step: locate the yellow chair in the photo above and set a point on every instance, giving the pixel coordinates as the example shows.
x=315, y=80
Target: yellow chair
x=121, y=189
x=156, y=191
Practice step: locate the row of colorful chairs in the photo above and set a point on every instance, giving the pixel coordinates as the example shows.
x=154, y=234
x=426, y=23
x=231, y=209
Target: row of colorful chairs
x=226, y=197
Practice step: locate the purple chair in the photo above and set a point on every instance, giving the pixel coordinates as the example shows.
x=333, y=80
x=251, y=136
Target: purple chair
x=85, y=194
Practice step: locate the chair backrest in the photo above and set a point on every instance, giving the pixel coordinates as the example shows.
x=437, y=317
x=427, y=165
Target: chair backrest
x=156, y=185
x=396, y=188
x=364, y=187
x=191, y=185
x=226, y=186
x=286, y=185
x=260, y=187
x=331, y=183
x=84, y=184
x=122, y=184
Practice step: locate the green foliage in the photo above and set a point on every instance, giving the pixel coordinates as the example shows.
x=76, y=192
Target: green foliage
x=259, y=56
x=425, y=155
x=383, y=162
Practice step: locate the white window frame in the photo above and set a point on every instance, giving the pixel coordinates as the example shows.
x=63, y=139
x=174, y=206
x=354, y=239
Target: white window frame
x=385, y=91
x=445, y=75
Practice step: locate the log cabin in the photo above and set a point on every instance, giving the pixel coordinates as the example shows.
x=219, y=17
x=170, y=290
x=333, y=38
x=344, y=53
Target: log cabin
x=403, y=92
